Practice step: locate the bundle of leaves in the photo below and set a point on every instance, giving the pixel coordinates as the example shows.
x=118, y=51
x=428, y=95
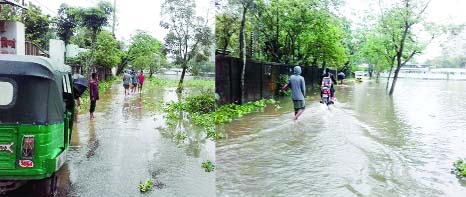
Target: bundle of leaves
x=146, y=186
x=460, y=168
x=201, y=104
x=208, y=166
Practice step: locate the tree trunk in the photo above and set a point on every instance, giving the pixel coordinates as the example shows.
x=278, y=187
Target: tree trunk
x=389, y=75
x=242, y=46
x=151, y=72
x=180, y=84
x=392, y=89
x=397, y=70
x=392, y=60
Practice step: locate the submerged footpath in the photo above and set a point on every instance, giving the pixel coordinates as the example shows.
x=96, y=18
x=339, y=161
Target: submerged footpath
x=129, y=142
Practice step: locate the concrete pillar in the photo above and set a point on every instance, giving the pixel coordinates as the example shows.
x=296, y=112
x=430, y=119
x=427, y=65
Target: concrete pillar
x=57, y=50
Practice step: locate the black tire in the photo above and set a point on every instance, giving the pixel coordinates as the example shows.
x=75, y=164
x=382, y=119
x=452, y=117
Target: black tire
x=46, y=187
x=325, y=99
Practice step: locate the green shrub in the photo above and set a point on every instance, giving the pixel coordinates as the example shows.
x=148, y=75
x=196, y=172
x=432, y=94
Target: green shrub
x=146, y=186
x=208, y=166
x=460, y=168
x=202, y=112
x=203, y=104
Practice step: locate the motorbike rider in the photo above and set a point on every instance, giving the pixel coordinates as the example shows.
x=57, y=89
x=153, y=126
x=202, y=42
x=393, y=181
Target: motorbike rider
x=332, y=89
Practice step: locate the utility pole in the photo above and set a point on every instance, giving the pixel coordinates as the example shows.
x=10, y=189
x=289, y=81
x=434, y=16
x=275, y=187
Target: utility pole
x=114, y=17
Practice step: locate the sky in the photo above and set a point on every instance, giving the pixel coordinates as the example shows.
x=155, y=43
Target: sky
x=145, y=15
x=131, y=14
x=438, y=11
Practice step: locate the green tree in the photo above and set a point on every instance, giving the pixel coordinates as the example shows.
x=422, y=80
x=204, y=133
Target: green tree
x=11, y=13
x=398, y=22
x=37, y=25
x=225, y=28
x=188, y=36
x=66, y=22
x=82, y=37
x=146, y=52
x=94, y=19
x=107, y=52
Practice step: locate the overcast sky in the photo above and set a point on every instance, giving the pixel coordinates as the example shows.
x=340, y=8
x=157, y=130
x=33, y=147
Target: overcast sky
x=439, y=11
x=145, y=15
x=131, y=14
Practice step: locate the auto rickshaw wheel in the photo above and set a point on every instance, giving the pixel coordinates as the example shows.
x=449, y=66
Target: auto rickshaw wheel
x=46, y=187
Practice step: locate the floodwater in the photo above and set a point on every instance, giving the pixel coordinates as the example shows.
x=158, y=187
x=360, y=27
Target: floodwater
x=367, y=144
x=129, y=142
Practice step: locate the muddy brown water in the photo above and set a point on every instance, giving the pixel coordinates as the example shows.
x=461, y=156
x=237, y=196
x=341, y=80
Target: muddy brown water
x=367, y=144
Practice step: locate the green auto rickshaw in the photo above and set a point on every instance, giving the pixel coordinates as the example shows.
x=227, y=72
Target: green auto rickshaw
x=36, y=121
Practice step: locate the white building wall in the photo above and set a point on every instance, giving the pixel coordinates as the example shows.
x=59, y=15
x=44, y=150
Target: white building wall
x=57, y=50
x=12, y=32
x=73, y=50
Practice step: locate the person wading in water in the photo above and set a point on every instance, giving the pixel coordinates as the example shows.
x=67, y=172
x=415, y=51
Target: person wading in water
x=298, y=90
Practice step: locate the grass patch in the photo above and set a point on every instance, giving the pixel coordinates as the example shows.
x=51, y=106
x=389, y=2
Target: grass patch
x=186, y=83
x=208, y=166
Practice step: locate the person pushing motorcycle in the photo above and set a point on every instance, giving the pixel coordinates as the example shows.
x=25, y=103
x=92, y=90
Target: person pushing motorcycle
x=332, y=89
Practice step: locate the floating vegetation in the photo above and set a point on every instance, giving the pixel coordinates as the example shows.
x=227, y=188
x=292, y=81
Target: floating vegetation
x=459, y=168
x=202, y=112
x=146, y=186
x=208, y=166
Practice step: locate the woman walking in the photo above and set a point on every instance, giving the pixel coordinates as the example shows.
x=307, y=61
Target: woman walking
x=93, y=93
x=140, y=81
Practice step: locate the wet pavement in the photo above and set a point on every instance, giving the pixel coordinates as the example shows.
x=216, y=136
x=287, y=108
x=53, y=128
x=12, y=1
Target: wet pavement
x=124, y=146
x=367, y=144
x=127, y=143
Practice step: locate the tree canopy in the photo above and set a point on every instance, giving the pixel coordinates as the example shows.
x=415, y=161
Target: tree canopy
x=146, y=52
x=189, y=37
x=288, y=31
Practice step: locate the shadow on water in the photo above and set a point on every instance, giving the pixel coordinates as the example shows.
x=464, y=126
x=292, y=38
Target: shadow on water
x=367, y=144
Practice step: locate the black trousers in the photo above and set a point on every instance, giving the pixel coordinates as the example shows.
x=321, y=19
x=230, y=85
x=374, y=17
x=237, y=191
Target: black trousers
x=92, y=109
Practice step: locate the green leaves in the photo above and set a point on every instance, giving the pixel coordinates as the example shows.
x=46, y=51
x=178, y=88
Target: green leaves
x=287, y=31
x=146, y=52
x=146, y=186
x=37, y=25
x=107, y=52
x=94, y=18
x=189, y=37
x=459, y=168
x=66, y=22
x=208, y=166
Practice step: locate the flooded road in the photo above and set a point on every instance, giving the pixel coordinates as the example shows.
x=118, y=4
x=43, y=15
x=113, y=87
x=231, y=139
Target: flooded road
x=367, y=144
x=126, y=144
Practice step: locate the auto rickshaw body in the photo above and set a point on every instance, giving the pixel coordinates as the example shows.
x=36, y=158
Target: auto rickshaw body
x=36, y=121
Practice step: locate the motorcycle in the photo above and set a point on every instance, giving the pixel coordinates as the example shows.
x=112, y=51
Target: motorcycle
x=326, y=96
